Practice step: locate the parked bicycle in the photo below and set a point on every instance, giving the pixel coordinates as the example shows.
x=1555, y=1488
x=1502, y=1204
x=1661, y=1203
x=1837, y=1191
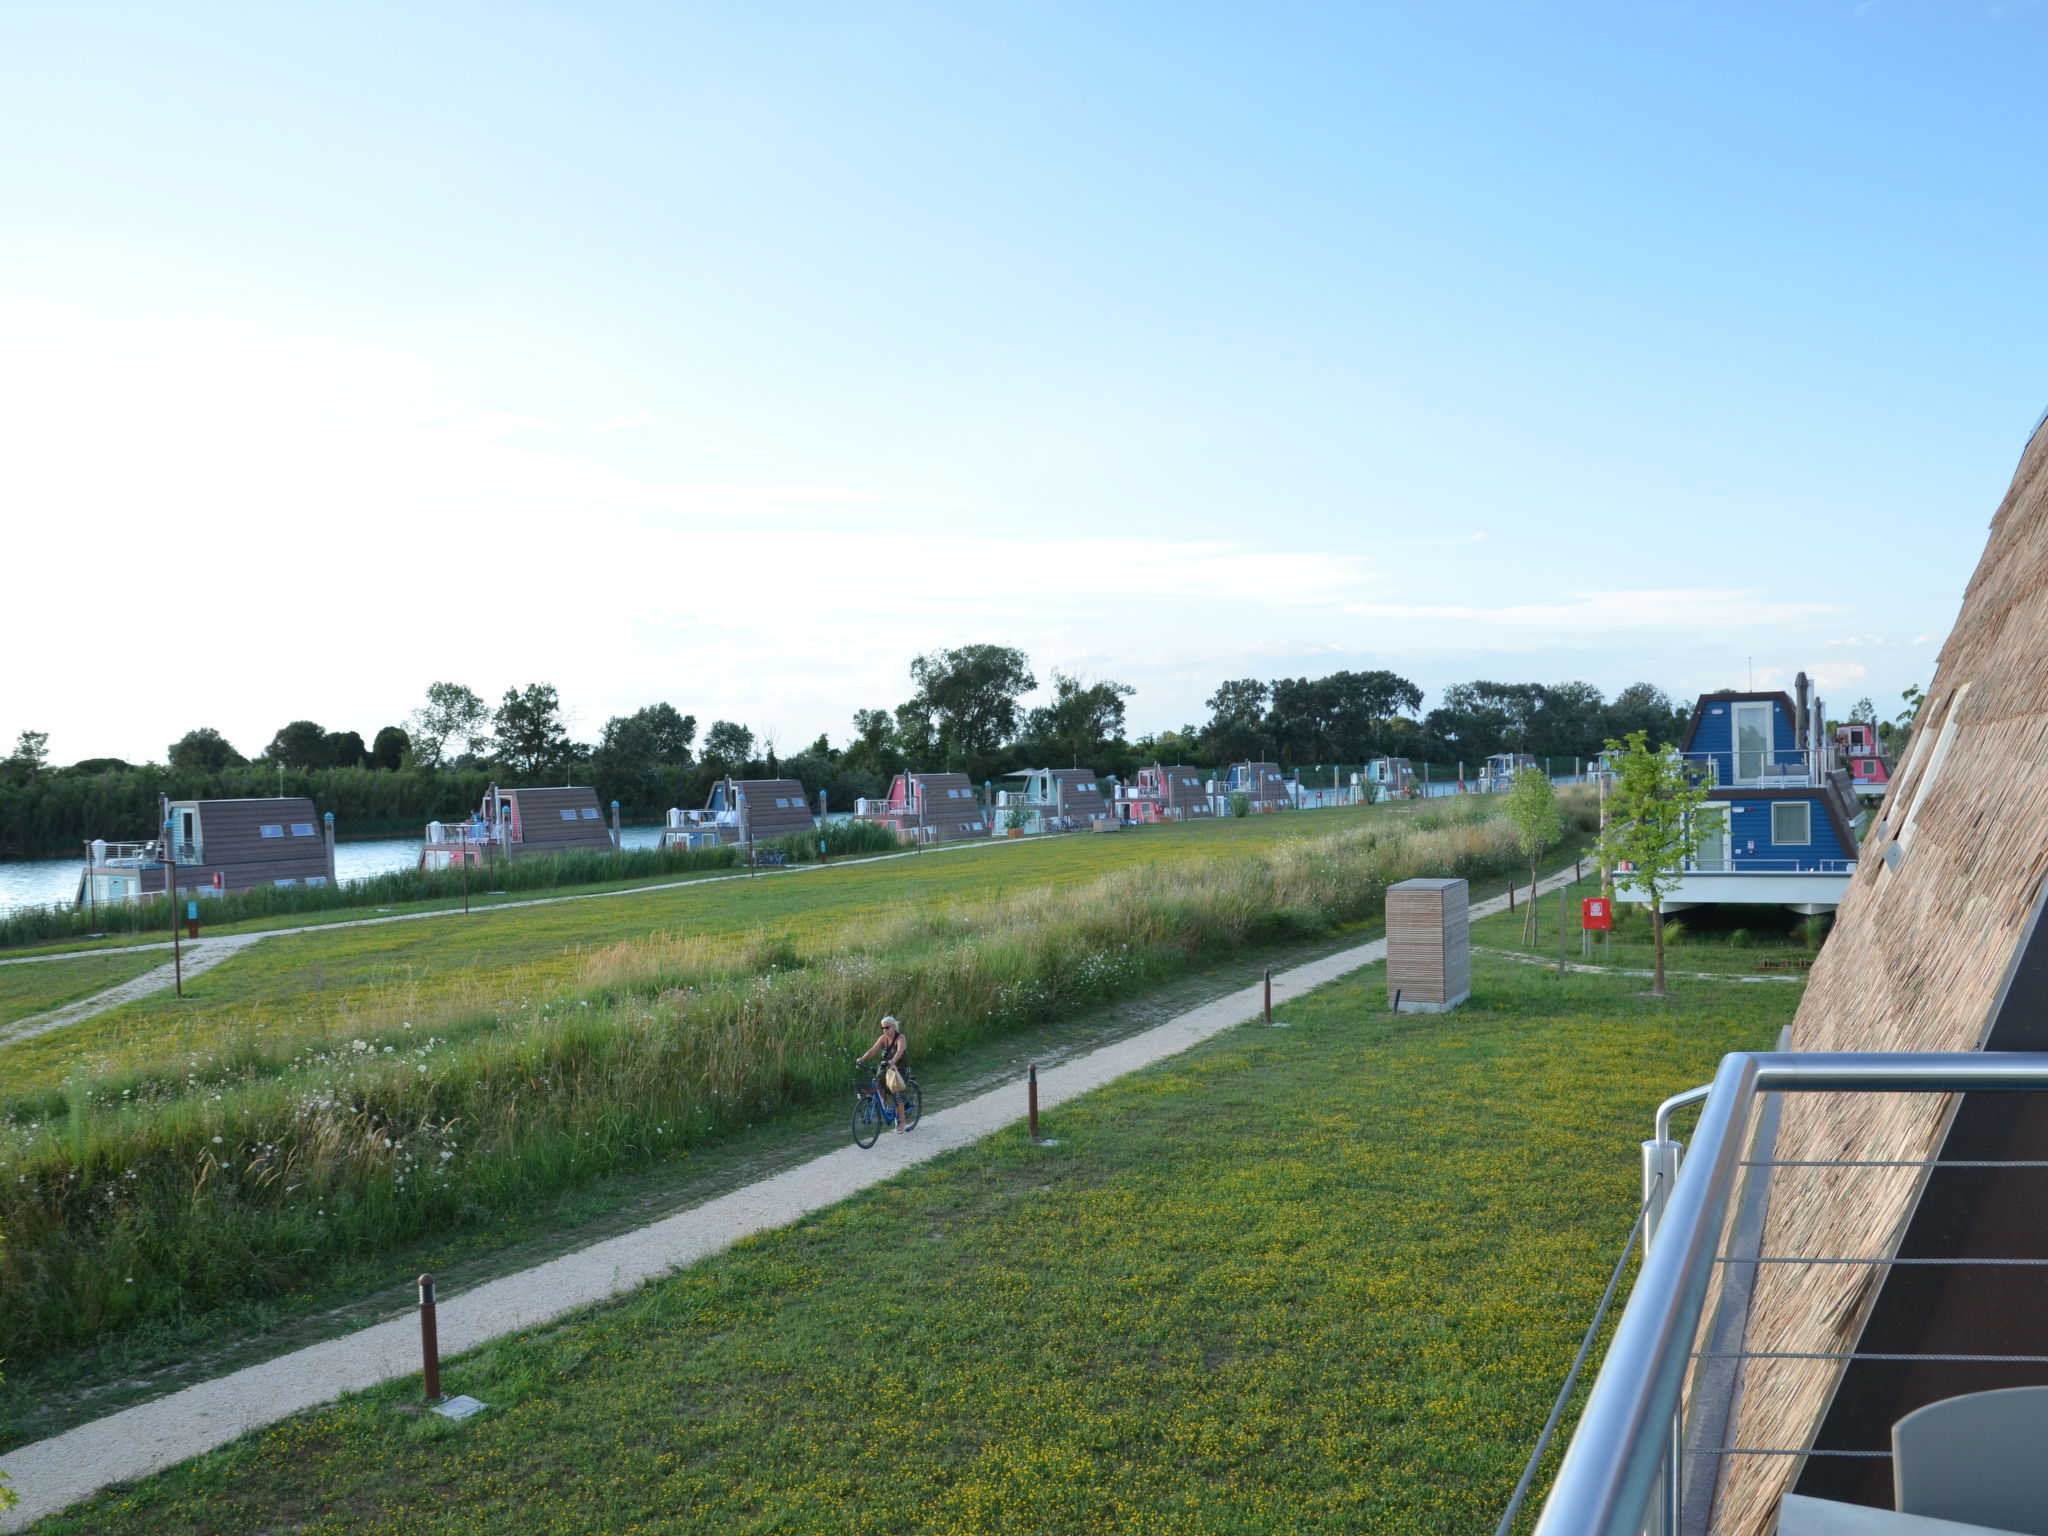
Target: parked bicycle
x=873, y=1109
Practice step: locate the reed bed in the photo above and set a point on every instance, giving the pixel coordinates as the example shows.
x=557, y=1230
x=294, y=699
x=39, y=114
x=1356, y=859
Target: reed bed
x=159, y=1194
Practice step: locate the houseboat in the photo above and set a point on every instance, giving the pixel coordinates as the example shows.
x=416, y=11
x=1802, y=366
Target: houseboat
x=1856, y=749
x=1498, y=776
x=519, y=823
x=1262, y=783
x=1162, y=793
x=1056, y=800
x=216, y=846
x=930, y=808
x=741, y=811
x=1391, y=778
x=1781, y=824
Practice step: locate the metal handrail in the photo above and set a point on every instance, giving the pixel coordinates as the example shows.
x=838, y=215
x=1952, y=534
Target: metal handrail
x=1622, y=1453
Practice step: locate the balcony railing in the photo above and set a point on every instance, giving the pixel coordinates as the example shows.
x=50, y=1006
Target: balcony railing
x=1762, y=770
x=1634, y=1458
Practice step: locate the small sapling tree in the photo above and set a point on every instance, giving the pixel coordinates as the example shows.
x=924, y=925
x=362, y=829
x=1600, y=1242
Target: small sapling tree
x=1653, y=827
x=1532, y=810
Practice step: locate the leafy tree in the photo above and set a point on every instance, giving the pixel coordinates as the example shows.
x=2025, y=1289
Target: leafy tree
x=203, y=751
x=1653, y=826
x=873, y=748
x=452, y=714
x=1339, y=718
x=1168, y=747
x=31, y=755
x=387, y=752
x=728, y=745
x=1082, y=718
x=1531, y=807
x=1236, y=731
x=530, y=733
x=1639, y=707
x=343, y=749
x=302, y=744
x=86, y=767
x=966, y=702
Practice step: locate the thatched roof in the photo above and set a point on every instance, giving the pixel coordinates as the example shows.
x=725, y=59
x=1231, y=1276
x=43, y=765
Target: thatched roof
x=1944, y=897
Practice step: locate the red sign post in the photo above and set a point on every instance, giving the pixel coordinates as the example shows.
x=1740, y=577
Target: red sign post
x=1596, y=912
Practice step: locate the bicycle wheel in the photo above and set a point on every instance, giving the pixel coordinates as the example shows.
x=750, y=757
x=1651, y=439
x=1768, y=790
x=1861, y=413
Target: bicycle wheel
x=867, y=1120
x=913, y=1105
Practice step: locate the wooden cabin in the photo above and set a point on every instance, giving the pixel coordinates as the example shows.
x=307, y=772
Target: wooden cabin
x=1056, y=800
x=1857, y=750
x=930, y=807
x=1780, y=826
x=1940, y=944
x=519, y=823
x=1176, y=793
x=1263, y=783
x=741, y=811
x=216, y=846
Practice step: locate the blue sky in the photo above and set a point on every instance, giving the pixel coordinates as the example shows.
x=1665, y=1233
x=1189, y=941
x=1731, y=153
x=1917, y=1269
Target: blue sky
x=732, y=355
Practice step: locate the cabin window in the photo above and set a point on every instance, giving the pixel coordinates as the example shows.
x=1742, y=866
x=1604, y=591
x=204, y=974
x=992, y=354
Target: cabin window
x=302, y=829
x=568, y=815
x=286, y=883
x=277, y=831
x=1791, y=823
x=317, y=880
x=590, y=813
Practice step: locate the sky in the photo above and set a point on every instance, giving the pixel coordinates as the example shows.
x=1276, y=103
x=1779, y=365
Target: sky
x=731, y=355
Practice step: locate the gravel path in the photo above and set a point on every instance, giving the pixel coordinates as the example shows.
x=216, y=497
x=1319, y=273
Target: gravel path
x=51, y=1474
x=201, y=956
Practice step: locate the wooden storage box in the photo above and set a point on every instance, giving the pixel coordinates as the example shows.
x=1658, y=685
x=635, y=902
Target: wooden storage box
x=1429, y=946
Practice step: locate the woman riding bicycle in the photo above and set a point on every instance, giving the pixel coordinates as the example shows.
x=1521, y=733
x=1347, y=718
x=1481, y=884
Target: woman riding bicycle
x=893, y=1070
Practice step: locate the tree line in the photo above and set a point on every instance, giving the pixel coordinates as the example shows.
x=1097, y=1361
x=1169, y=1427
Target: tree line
x=965, y=713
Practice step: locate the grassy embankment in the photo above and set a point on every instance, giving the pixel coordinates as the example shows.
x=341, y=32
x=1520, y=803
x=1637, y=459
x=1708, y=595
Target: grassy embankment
x=1325, y=1278
x=151, y=1185
x=271, y=906
x=31, y=989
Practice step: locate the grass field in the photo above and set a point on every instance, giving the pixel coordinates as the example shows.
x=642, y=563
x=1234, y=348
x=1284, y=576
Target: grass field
x=338, y=1094
x=1726, y=940
x=31, y=989
x=1318, y=1279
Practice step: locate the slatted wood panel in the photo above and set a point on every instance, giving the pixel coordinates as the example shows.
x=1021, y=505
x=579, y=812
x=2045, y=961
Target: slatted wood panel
x=543, y=828
x=1915, y=963
x=1429, y=944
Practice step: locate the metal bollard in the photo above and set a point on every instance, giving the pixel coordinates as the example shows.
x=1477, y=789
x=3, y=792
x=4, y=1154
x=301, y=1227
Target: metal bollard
x=1032, y=1088
x=430, y=1341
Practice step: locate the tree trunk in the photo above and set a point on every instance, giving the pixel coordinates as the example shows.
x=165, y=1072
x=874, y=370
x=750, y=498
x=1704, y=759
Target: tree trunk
x=1529, y=925
x=1657, y=939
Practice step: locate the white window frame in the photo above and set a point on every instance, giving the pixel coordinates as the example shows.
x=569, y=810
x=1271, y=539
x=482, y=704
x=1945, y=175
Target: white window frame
x=1791, y=842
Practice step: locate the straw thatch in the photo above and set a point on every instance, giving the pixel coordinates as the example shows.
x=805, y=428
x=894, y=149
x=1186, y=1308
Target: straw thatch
x=1939, y=906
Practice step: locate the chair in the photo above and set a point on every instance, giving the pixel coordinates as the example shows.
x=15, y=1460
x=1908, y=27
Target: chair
x=1981, y=1458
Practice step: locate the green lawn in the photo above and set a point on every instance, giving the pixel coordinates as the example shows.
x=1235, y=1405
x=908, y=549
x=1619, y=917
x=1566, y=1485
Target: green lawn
x=1728, y=940
x=32, y=989
x=1324, y=1278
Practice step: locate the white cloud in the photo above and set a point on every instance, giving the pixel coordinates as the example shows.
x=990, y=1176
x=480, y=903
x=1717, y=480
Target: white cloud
x=1675, y=608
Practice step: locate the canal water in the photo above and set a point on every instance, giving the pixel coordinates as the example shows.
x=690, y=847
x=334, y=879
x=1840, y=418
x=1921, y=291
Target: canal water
x=45, y=882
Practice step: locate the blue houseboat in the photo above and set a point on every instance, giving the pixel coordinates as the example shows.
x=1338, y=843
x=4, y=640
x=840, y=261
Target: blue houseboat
x=1782, y=823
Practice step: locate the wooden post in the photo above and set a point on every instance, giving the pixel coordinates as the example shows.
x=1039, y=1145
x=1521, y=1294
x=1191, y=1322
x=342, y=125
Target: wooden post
x=821, y=826
x=430, y=1342
x=1269, y=994
x=1031, y=1089
x=171, y=896
x=1562, y=907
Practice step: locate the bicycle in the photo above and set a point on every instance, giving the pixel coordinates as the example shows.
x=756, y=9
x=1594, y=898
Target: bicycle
x=872, y=1109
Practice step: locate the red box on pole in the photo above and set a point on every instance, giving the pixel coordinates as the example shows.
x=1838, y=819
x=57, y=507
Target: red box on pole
x=1596, y=912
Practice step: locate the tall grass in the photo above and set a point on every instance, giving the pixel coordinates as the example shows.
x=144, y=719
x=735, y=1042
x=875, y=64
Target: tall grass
x=157, y=1193
x=548, y=872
